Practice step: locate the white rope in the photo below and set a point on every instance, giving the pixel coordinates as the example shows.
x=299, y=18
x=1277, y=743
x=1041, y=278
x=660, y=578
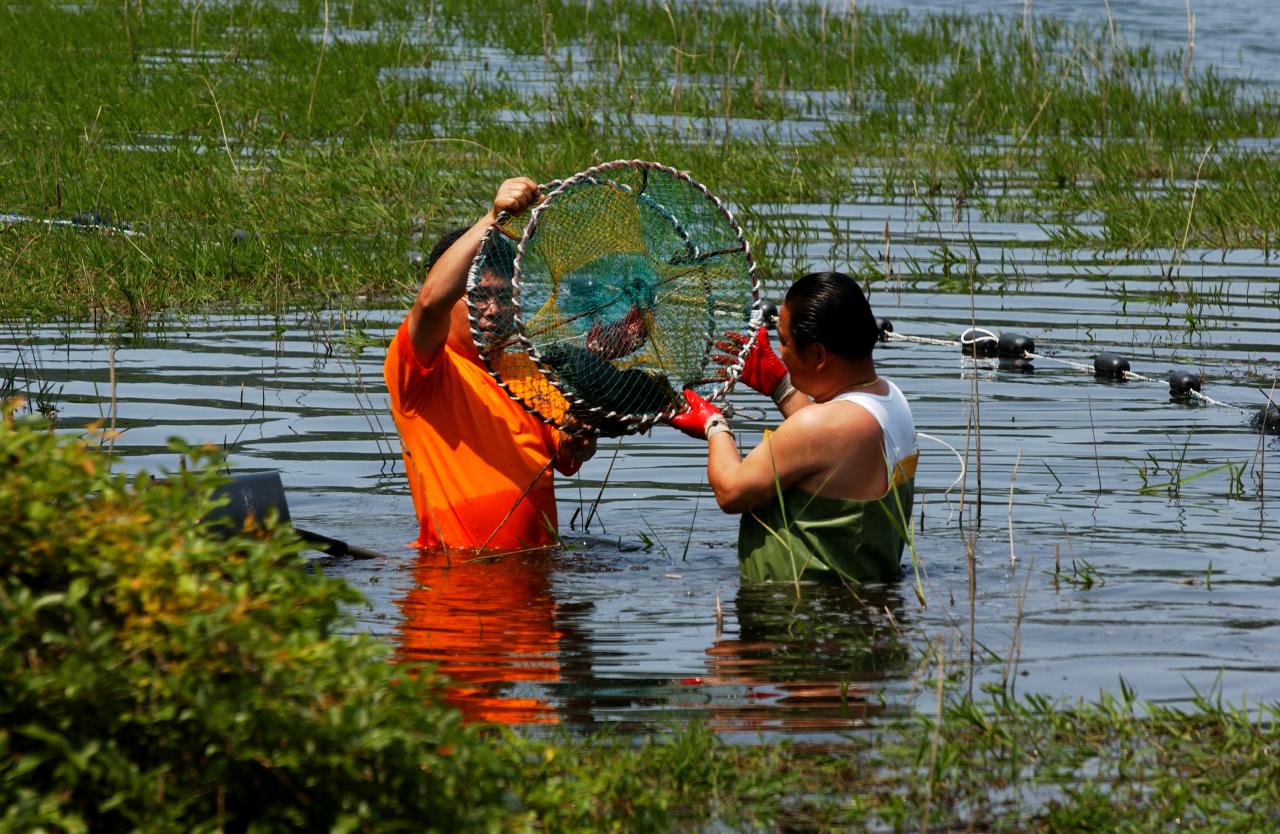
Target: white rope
x=1211, y=401
x=1077, y=365
x=959, y=457
x=983, y=335
x=923, y=340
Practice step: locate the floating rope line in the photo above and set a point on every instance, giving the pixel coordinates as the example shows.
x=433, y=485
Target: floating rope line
x=1191, y=392
x=1182, y=384
x=1015, y=347
x=922, y=340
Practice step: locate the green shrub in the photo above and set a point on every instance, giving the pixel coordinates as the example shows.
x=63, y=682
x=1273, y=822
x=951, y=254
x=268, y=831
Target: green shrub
x=156, y=679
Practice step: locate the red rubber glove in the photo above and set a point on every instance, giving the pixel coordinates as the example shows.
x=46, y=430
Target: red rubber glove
x=763, y=371
x=695, y=420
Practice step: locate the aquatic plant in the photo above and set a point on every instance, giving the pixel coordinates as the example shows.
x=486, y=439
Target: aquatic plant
x=166, y=156
x=158, y=678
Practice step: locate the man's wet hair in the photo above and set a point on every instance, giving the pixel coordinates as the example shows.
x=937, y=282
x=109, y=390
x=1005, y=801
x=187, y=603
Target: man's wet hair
x=829, y=308
x=499, y=259
x=442, y=245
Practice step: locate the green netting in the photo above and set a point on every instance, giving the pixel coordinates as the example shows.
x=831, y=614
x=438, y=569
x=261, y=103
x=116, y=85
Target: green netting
x=624, y=278
x=494, y=327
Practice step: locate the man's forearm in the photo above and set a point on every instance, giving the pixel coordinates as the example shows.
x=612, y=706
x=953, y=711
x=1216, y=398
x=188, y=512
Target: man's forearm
x=723, y=460
x=444, y=285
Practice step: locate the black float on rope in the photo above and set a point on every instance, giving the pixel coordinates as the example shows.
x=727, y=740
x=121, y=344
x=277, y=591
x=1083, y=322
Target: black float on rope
x=883, y=328
x=979, y=342
x=1015, y=352
x=1110, y=366
x=1267, y=418
x=1182, y=383
x=769, y=314
x=1015, y=346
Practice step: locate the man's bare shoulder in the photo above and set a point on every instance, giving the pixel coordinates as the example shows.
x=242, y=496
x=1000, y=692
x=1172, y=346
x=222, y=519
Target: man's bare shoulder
x=840, y=418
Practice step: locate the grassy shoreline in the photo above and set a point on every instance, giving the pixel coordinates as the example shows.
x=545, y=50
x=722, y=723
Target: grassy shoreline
x=266, y=155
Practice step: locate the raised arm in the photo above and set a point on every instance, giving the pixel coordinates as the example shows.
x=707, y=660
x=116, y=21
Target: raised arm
x=432, y=313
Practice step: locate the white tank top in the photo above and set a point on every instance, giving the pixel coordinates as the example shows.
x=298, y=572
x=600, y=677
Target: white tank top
x=894, y=416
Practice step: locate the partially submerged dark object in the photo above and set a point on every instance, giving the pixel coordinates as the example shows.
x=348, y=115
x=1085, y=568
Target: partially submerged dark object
x=1015, y=346
x=1267, y=419
x=1110, y=366
x=769, y=314
x=1182, y=383
x=979, y=342
x=251, y=497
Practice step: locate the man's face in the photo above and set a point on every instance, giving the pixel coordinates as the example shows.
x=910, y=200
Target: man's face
x=494, y=307
x=800, y=363
x=786, y=347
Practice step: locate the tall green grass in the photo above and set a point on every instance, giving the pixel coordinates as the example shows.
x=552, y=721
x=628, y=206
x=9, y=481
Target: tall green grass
x=326, y=133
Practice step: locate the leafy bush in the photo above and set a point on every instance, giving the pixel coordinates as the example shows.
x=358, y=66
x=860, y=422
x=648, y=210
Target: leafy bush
x=155, y=678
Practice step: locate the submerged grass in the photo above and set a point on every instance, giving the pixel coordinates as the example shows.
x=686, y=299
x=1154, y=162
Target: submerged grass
x=263, y=152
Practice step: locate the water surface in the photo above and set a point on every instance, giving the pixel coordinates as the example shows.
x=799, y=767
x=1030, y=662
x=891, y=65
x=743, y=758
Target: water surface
x=1094, y=548
x=1171, y=589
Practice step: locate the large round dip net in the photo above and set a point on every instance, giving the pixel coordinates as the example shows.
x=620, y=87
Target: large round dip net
x=596, y=308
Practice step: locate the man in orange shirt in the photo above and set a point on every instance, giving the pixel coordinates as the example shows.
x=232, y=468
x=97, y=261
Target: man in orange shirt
x=478, y=464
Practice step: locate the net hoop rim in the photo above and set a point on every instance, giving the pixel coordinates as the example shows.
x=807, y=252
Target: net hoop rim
x=636, y=422
x=473, y=276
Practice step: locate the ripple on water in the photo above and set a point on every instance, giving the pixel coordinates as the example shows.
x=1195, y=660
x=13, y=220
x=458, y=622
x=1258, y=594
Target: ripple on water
x=622, y=626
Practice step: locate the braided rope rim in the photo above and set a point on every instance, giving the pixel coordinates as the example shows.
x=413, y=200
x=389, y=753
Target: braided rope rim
x=473, y=278
x=635, y=422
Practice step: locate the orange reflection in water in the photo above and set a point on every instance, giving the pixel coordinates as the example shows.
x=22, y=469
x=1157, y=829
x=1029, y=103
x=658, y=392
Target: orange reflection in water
x=490, y=624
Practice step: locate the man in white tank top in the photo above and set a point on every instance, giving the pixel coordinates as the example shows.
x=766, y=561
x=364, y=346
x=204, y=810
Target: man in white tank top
x=846, y=444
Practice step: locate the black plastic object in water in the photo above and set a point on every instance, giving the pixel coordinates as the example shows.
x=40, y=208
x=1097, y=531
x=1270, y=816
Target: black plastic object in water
x=1267, y=418
x=252, y=496
x=769, y=314
x=1110, y=366
x=883, y=328
x=979, y=342
x=1014, y=346
x=1182, y=383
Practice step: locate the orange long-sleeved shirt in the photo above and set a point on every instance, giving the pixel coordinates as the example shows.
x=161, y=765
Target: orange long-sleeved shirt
x=470, y=453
